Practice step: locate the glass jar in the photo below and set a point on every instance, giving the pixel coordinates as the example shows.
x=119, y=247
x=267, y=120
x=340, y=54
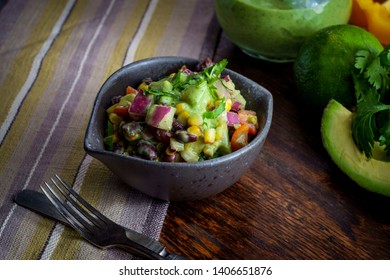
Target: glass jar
x=274, y=30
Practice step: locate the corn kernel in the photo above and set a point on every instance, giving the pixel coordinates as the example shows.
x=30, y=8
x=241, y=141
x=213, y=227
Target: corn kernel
x=195, y=119
x=183, y=116
x=209, y=135
x=143, y=86
x=111, y=108
x=228, y=105
x=114, y=118
x=252, y=119
x=180, y=107
x=195, y=130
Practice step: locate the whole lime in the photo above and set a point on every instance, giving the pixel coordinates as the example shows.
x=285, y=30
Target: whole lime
x=323, y=68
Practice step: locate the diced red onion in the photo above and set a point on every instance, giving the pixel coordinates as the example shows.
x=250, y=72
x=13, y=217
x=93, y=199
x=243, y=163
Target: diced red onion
x=187, y=71
x=236, y=106
x=160, y=116
x=232, y=118
x=226, y=78
x=140, y=104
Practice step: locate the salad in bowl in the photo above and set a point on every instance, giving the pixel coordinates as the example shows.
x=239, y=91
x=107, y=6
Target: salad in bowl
x=187, y=116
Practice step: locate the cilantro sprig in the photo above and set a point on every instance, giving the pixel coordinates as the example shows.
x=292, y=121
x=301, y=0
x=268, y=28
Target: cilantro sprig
x=372, y=88
x=185, y=78
x=216, y=112
x=209, y=74
x=213, y=72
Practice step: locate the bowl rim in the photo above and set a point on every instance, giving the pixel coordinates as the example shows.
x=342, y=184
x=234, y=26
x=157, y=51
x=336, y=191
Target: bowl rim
x=260, y=137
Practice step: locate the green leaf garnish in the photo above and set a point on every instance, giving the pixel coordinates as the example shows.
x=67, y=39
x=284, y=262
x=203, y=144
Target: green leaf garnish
x=109, y=139
x=216, y=112
x=371, y=122
x=215, y=70
x=160, y=93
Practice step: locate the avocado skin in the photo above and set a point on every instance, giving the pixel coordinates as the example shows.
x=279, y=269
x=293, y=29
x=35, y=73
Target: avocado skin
x=336, y=133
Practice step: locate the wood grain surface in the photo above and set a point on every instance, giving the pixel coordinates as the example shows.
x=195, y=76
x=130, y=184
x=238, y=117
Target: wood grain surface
x=294, y=203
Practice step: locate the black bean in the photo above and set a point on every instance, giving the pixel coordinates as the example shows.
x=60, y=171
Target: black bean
x=116, y=99
x=176, y=125
x=160, y=135
x=146, y=150
x=169, y=157
x=185, y=137
x=132, y=131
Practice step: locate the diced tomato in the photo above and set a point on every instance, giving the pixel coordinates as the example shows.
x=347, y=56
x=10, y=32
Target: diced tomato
x=248, y=117
x=252, y=129
x=122, y=111
x=240, y=137
x=131, y=90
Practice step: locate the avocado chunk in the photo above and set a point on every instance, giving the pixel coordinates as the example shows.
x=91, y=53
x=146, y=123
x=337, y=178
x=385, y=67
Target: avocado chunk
x=336, y=132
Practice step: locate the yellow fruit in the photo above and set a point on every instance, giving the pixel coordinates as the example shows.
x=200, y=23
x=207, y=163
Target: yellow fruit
x=322, y=70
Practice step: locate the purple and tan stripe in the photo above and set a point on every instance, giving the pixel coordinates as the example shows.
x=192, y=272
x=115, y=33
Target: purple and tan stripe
x=53, y=127
x=48, y=133
x=11, y=84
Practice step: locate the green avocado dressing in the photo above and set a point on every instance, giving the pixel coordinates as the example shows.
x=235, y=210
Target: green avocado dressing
x=275, y=29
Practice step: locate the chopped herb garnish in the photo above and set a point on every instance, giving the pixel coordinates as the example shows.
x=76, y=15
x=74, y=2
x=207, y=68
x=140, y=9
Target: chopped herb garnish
x=216, y=112
x=214, y=72
x=372, y=81
x=160, y=93
x=109, y=139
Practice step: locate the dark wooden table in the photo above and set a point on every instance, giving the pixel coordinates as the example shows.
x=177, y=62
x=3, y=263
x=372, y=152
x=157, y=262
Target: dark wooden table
x=294, y=203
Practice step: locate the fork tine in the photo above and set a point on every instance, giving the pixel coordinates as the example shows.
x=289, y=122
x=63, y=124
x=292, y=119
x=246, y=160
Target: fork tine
x=85, y=215
x=108, y=234
x=84, y=202
x=84, y=221
x=63, y=208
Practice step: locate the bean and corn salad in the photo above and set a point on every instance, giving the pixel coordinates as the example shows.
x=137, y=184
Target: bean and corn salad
x=188, y=116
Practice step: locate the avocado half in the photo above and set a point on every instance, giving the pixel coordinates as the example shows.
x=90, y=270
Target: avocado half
x=336, y=131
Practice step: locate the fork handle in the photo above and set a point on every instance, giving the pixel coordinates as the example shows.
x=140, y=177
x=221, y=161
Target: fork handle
x=145, y=248
x=173, y=256
x=149, y=254
x=170, y=256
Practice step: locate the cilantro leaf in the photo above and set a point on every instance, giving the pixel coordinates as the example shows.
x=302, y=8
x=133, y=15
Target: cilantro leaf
x=215, y=70
x=365, y=124
x=377, y=75
x=363, y=59
x=212, y=74
x=385, y=57
x=371, y=122
x=109, y=139
x=160, y=93
x=374, y=67
x=216, y=112
x=179, y=80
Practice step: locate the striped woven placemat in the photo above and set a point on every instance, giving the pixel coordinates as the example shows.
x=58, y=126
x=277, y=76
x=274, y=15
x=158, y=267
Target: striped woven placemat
x=54, y=56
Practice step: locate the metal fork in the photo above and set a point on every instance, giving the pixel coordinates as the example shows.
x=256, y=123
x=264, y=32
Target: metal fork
x=97, y=228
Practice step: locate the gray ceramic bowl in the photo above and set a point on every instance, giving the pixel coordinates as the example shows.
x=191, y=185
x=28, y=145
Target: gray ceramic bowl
x=175, y=181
